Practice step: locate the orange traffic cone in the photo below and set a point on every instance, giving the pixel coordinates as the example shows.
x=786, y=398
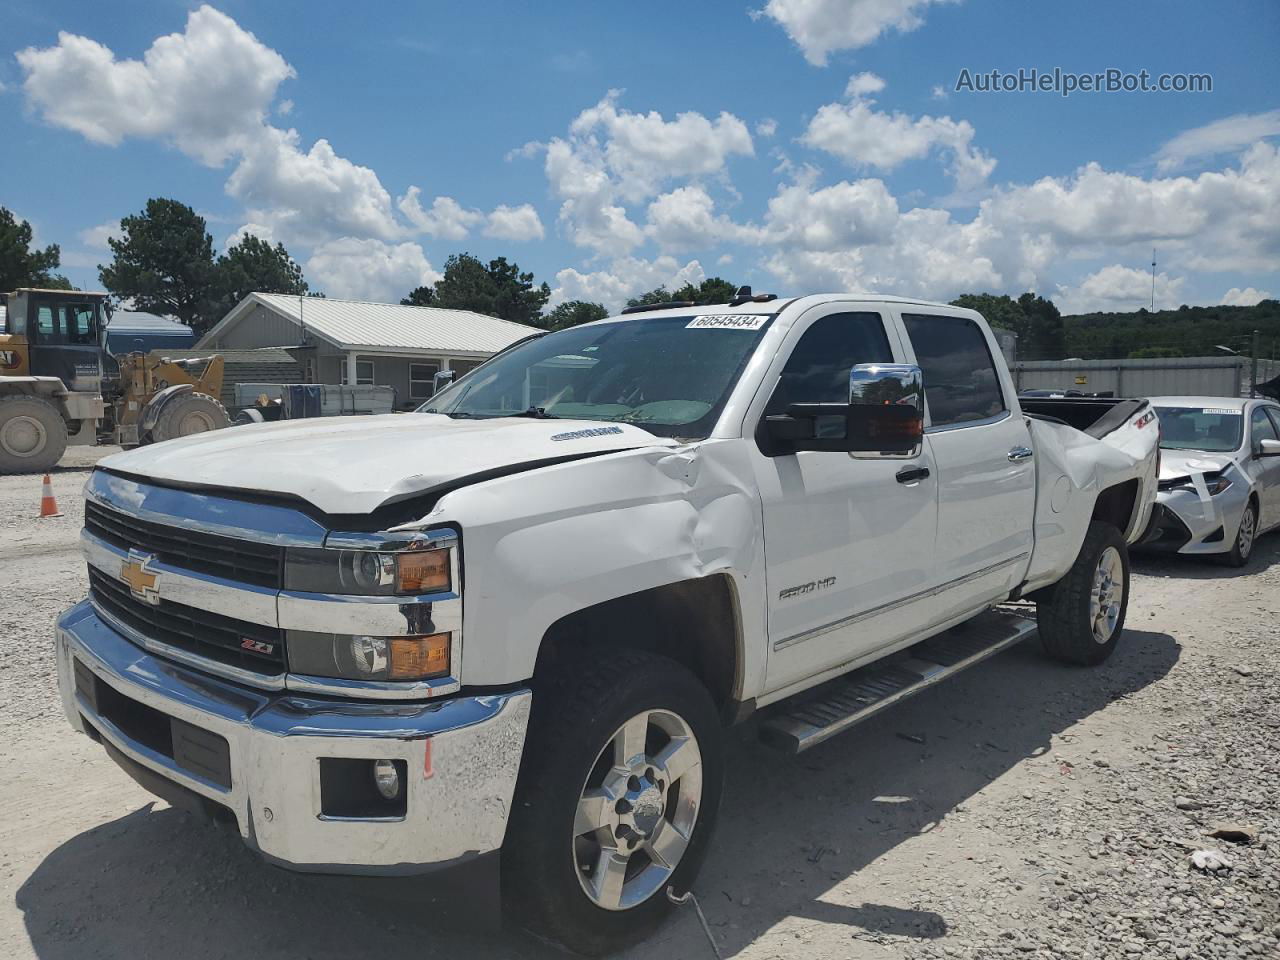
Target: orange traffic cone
x=48, y=505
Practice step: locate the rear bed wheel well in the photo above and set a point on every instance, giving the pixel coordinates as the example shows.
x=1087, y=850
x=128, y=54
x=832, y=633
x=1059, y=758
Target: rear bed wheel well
x=1115, y=505
x=694, y=622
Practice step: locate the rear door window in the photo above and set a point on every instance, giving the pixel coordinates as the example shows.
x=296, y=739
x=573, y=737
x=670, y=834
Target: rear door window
x=961, y=384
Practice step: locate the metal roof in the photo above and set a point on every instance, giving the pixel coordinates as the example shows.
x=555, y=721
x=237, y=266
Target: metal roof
x=135, y=321
x=365, y=325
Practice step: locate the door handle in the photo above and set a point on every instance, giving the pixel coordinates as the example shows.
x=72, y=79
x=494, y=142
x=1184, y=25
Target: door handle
x=1018, y=454
x=911, y=474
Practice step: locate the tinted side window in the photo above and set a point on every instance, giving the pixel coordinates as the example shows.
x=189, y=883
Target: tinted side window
x=1275, y=417
x=818, y=368
x=1261, y=428
x=960, y=380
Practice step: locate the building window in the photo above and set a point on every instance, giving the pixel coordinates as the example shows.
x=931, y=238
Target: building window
x=364, y=372
x=422, y=378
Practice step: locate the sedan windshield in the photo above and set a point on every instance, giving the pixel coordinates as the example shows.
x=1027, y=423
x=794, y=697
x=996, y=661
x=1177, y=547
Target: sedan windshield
x=671, y=374
x=1211, y=429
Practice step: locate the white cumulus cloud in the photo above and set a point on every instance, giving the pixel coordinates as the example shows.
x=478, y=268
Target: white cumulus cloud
x=1119, y=288
x=356, y=269
x=1247, y=297
x=865, y=137
x=205, y=90
x=625, y=277
x=821, y=27
x=1228, y=135
x=518, y=224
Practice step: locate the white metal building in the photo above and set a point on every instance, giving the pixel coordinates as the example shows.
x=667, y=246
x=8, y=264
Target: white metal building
x=355, y=341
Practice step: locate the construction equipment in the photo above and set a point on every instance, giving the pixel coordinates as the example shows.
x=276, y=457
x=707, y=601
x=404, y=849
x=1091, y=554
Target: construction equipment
x=59, y=384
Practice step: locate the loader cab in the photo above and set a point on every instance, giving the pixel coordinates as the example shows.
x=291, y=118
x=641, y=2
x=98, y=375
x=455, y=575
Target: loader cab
x=60, y=333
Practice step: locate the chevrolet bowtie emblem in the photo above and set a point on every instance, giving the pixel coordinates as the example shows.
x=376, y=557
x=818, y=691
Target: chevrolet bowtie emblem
x=141, y=581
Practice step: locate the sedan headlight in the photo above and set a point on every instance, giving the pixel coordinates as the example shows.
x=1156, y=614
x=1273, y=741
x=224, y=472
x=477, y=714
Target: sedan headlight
x=1214, y=482
x=367, y=573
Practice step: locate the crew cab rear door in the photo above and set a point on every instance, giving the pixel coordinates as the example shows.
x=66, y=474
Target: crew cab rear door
x=981, y=446
x=848, y=543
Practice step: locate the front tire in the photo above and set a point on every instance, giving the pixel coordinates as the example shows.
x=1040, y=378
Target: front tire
x=1082, y=615
x=1247, y=532
x=618, y=794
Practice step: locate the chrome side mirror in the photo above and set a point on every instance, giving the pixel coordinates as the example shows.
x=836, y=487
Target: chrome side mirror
x=886, y=411
x=1269, y=448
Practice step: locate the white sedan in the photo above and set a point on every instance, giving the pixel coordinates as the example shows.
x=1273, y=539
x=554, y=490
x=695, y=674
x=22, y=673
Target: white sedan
x=1219, y=476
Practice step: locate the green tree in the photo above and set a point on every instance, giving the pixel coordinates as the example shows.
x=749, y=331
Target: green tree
x=571, y=313
x=20, y=265
x=419, y=297
x=254, y=266
x=656, y=295
x=1000, y=311
x=164, y=264
x=1046, y=337
x=710, y=290
x=497, y=288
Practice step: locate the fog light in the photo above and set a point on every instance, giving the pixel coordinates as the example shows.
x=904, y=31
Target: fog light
x=387, y=778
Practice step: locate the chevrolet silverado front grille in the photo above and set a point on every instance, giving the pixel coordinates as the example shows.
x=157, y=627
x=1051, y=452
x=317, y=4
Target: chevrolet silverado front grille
x=236, y=643
x=243, y=561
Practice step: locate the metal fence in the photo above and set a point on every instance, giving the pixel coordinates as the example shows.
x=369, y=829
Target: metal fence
x=1160, y=377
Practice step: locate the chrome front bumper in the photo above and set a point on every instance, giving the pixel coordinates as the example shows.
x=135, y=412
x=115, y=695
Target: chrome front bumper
x=462, y=756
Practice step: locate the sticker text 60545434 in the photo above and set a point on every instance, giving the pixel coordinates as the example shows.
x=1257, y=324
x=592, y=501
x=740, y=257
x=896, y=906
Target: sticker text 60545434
x=727, y=321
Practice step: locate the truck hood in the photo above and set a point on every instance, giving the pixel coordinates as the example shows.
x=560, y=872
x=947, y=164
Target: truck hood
x=352, y=465
x=1183, y=463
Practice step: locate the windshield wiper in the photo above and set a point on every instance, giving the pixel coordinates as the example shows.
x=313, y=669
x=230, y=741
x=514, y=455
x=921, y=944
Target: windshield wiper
x=535, y=413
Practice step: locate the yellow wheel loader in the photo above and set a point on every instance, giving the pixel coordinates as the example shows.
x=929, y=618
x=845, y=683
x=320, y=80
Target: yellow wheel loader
x=59, y=385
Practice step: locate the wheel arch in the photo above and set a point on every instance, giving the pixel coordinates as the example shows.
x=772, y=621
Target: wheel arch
x=1119, y=506
x=695, y=622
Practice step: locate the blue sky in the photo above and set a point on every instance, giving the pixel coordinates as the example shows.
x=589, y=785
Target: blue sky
x=797, y=145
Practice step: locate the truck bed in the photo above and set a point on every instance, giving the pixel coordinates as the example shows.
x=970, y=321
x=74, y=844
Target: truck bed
x=1096, y=416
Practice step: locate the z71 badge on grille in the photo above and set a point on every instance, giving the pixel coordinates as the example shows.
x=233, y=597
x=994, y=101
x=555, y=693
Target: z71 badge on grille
x=143, y=583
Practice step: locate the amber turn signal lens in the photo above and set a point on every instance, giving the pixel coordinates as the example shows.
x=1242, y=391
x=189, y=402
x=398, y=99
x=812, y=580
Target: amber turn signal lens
x=419, y=658
x=424, y=571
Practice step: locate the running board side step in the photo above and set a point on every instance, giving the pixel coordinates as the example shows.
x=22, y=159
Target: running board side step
x=835, y=706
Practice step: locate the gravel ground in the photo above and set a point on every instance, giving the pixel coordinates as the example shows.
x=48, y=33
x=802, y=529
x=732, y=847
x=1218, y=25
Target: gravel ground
x=1022, y=809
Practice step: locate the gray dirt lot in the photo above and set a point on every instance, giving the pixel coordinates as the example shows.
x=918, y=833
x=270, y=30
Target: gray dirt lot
x=1023, y=809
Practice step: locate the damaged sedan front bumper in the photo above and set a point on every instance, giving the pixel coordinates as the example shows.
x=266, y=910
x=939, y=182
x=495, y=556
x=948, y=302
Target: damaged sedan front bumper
x=295, y=773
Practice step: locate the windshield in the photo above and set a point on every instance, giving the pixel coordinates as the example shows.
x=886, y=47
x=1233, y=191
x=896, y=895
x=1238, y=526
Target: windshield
x=1211, y=429
x=670, y=374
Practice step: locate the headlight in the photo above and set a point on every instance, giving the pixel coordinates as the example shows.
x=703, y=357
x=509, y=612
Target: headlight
x=1214, y=482
x=367, y=572
x=349, y=657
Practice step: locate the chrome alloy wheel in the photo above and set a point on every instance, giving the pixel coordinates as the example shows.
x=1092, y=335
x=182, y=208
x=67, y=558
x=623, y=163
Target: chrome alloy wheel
x=1248, y=530
x=1108, y=595
x=637, y=810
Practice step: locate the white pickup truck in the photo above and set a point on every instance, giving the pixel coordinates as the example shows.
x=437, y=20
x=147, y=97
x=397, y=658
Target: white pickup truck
x=523, y=616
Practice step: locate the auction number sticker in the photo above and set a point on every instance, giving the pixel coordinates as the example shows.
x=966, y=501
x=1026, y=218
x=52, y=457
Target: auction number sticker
x=1221, y=411
x=728, y=321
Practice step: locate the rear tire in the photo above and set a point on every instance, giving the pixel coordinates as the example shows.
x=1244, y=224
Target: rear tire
x=598, y=805
x=1246, y=534
x=33, y=435
x=190, y=413
x=1082, y=615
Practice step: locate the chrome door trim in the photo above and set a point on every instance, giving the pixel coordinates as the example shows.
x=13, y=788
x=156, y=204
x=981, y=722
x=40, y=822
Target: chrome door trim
x=964, y=425
x=895, y=604
x=1020, y=453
